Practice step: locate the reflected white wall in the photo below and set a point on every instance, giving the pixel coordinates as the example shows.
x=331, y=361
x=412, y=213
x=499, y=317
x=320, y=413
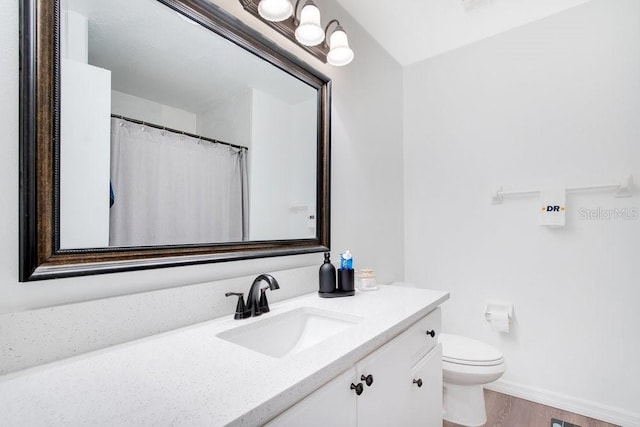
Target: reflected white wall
x=134, y=107
x=301, y=197
x=282, y=169
x=229, y=120
x=85, y=130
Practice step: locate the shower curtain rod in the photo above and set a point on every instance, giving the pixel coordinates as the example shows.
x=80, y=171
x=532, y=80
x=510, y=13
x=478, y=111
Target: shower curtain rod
x=153, y=125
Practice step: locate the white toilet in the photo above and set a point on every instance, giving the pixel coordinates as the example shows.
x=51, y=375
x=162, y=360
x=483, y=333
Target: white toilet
x=467, y=364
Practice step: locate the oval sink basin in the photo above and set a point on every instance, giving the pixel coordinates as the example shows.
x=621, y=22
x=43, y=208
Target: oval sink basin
x=279, y=335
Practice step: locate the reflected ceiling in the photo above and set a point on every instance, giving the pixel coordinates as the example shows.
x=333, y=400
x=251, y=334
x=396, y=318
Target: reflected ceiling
x=119, y=36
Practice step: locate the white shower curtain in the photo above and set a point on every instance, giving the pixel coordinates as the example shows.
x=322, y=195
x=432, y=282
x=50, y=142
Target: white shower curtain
x=171, y=188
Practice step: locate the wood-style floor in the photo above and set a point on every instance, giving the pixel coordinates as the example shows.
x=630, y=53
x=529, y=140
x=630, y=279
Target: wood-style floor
x=509, y=411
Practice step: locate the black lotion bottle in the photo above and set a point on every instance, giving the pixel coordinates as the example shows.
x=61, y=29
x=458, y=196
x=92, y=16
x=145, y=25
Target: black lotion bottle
x=327, y=276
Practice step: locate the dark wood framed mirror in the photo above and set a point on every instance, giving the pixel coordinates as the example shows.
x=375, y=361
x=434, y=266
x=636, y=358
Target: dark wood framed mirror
x=63, y=232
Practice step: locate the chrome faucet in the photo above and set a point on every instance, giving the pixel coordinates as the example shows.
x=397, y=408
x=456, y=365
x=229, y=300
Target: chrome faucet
x=257, y=300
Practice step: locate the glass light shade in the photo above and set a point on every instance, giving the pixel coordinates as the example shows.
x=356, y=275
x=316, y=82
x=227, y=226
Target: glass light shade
x=309, y=31
x=340, y=53
x=275, y=10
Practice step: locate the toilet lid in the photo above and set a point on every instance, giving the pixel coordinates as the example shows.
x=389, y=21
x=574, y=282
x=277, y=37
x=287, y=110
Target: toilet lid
x=467, y=351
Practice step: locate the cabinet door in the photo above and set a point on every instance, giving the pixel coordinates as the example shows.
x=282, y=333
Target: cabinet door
x=425, y=402
x=333, y=404
x=392, y=398
x=384, y=401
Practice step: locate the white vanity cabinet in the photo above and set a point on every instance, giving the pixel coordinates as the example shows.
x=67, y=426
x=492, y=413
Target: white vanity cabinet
x=405, y=377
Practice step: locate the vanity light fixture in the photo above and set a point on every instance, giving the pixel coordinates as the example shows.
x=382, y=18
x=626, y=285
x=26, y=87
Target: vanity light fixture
x=339, y=51
x=301, y=22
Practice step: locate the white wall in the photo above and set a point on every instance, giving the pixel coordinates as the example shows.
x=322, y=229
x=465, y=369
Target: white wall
x=85, y=130
x=367, y=191
x=229, y=120
x=303, y=127
x=268, y=167
x=554, y=103
x=85, y=144
x=279, y=205
x=134, y=107
x=74, y=31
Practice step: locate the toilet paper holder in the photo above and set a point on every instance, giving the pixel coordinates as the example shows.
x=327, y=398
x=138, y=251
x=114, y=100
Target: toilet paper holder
x=498, y=307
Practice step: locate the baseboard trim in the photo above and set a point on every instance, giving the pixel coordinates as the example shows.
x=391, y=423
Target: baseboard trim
x=567, y=403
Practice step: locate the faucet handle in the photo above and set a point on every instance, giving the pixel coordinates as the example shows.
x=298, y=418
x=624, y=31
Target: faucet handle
x=264, y=304
x=241, y=308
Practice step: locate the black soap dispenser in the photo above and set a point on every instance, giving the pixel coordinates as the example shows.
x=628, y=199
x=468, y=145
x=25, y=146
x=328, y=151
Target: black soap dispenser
x=327, y=276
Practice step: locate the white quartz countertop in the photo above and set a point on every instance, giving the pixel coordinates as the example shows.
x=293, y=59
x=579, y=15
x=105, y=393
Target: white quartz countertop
x=191, y=377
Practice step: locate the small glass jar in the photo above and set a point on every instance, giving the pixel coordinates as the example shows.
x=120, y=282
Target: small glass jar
x=366, y=280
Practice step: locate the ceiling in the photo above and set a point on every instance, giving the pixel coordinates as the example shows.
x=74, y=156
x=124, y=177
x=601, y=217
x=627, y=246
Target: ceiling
x=414, y=30
x=180, y=71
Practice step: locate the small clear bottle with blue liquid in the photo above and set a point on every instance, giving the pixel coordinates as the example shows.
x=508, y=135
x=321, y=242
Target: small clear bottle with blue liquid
x=346, y=273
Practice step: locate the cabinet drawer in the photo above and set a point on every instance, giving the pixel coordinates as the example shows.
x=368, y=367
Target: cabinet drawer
x=418, y=337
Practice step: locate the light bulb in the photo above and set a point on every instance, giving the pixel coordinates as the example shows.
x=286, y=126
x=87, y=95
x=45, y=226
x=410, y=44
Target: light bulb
x=340, y=53
x=309, y=31
x=275, y=10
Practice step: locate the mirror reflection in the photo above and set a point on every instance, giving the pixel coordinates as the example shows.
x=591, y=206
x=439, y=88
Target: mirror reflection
x=194, y=139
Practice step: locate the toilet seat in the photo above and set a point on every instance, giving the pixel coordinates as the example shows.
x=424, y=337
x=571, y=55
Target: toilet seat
x=466, y=351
